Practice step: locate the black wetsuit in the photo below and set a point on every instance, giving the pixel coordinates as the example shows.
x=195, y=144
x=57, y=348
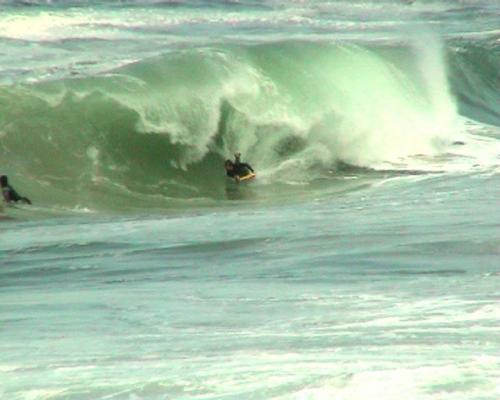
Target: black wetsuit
x=239, y=170
x=10, y=194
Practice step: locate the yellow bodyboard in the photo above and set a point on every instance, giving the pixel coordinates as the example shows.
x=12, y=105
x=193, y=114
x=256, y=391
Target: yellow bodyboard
x=248, y=177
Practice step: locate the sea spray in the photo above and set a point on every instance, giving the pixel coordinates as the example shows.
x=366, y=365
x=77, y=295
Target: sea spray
x=294, y=109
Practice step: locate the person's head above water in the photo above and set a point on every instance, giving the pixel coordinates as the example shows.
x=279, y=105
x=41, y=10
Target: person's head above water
x=4, y=181
x=228, y=165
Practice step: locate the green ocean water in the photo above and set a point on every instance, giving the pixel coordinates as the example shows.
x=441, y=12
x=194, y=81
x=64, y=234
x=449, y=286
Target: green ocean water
x=362, y=262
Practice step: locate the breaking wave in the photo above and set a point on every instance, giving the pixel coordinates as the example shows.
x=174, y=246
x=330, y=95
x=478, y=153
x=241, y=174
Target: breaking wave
x=160, y=128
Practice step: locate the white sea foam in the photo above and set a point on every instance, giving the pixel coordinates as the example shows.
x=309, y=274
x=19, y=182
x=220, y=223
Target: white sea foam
x=140, y=273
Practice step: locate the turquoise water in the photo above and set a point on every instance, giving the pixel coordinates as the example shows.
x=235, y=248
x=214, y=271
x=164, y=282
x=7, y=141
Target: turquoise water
x=363, y=262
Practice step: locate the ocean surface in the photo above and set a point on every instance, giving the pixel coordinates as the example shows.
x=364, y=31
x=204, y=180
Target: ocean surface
x=362, y=263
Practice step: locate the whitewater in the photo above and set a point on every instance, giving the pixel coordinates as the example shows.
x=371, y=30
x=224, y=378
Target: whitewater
x=363, y=262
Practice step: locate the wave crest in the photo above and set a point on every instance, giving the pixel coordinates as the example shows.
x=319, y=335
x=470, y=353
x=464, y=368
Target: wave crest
x=162, y=127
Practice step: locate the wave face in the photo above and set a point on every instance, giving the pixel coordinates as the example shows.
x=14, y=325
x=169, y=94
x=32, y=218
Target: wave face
x=159, y=129
x=475, y=78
